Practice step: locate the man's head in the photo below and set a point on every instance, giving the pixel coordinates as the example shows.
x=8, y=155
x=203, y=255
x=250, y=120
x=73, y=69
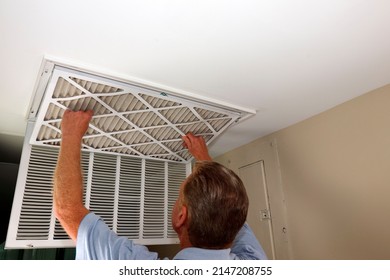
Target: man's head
x=212, y=206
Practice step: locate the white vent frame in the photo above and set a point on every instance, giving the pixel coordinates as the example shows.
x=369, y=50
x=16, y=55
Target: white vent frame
x=114, y=183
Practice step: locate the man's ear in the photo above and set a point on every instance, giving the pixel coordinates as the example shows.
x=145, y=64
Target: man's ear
x=181, y=217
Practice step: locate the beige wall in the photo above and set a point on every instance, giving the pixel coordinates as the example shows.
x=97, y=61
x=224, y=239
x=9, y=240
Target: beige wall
x=335, y=171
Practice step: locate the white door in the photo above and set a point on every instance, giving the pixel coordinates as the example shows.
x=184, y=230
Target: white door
x=259, y=215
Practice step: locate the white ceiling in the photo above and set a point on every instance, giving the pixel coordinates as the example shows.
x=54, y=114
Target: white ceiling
x=288, y=59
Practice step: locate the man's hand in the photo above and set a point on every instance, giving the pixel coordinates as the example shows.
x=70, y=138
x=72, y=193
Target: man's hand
x=196, y=146
x=75, y=124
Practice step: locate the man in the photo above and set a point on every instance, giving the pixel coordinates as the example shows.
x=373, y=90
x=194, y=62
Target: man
x=209, y=215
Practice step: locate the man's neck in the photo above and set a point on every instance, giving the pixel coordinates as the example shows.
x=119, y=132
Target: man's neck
x=184, y=239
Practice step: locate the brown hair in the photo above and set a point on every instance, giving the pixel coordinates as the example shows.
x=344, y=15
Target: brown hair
x=217, y=205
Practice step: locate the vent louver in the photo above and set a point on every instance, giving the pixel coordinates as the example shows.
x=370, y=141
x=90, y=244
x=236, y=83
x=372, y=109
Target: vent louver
x=134, y=196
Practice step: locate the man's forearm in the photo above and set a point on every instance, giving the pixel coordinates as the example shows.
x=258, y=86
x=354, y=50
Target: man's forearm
x=68, y=187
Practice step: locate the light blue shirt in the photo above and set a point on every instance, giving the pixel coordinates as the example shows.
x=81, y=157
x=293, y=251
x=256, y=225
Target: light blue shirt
x=95, y=241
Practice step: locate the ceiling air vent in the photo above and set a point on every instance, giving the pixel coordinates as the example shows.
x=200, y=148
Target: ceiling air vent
x=133, y=158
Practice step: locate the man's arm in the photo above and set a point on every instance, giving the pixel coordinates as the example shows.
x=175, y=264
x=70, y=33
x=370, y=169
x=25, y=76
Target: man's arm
x=246, y=246
x=68, y=182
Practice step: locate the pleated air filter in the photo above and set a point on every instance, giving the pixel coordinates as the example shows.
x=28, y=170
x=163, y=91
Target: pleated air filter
x=129, y=119
x=133, y=159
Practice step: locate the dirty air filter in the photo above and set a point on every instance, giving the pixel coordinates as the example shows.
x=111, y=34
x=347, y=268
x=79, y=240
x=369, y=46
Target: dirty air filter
x=129, y=118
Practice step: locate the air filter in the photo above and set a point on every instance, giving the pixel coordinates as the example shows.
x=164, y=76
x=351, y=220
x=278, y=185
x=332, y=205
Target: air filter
x=129, y=118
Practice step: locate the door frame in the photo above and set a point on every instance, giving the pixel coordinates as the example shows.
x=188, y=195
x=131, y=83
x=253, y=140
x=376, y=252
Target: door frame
x=268, y=207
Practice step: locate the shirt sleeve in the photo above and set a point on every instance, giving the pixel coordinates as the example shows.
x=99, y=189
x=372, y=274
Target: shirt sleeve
x=246, y=247
x=95, y=241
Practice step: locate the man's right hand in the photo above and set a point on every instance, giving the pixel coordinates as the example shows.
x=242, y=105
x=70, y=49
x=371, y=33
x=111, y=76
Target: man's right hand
x=196, y=146
x=75, y=124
